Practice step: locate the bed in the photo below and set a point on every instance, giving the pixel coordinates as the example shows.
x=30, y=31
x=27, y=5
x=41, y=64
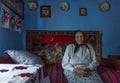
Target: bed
x=109, y=71
x=50, y=46
x=27, y=70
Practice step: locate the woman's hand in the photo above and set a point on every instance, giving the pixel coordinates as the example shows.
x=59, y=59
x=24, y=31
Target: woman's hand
x=82, y=72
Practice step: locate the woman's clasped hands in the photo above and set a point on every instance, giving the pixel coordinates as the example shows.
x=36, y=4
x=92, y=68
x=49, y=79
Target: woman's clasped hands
x=83, y=72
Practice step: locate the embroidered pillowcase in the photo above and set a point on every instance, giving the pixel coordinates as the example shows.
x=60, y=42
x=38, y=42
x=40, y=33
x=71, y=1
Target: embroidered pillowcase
x=24, y=57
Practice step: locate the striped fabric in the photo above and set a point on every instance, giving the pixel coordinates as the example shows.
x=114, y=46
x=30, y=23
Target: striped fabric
x=109, y=75
x=56, y=74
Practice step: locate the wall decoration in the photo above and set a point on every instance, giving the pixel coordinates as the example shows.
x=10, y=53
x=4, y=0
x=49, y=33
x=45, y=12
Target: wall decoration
x=83, y=11
x=5, y=17
x=45, y=11
x=12, y=21
x=32, y=5
x=64, y=6
x=17, y=6
x=104, y=6
x=17, y=24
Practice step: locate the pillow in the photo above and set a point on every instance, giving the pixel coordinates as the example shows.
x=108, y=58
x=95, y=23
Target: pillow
x=24, y=57
x=51, y=54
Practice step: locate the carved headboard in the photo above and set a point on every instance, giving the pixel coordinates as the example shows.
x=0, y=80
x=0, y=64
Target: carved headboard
x=50, y=45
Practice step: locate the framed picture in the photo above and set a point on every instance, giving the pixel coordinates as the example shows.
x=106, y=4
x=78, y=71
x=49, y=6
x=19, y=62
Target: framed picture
x=45, y=11
x=83, y=11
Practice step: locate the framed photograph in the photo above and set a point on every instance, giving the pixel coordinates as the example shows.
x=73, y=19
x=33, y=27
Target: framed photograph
x=45, y=11
x=83, y=11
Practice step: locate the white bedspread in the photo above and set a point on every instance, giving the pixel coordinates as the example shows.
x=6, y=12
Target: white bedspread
x=19, y=73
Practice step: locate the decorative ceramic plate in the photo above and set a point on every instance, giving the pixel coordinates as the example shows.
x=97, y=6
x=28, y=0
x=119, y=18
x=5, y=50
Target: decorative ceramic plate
x=32, y=5
x=64, y=6
x=104, y=6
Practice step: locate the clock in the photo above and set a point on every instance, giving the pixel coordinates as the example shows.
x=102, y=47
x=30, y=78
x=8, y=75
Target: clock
x=104, y=6
x=64, y=6
x=32, y=5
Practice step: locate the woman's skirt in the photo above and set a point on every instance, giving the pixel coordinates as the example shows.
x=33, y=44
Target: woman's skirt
x=75, y=78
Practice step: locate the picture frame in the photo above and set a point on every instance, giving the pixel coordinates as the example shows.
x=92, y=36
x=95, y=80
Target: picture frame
x=45, y=11
x=83, y=11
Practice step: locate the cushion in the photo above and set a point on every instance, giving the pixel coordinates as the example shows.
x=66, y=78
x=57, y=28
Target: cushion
x=51, y=54
x=24, y=57
x=6, y=60
x=108, y=75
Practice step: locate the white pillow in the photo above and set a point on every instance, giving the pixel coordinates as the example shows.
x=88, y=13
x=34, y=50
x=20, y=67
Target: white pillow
x=24, y=57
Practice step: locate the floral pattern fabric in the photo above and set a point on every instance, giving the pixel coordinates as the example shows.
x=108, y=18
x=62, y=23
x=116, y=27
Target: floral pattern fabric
x=19, y=73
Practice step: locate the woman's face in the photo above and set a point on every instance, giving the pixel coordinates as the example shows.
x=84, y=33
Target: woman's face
x=79, y=38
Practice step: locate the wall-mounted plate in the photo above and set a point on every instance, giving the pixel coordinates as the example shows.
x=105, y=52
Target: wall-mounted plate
x=64, y=6
x=104, y=6
x=32, y=5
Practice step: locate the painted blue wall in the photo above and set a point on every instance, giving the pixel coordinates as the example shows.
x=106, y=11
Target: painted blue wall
x=32, y=20
x=107, y=22
x=9, y=39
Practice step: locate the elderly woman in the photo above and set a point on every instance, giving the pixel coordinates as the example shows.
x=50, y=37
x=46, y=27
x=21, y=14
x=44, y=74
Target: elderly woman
x=79, y=61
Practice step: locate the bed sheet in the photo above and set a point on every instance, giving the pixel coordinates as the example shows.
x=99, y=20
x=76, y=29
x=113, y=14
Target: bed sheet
x=19, y=73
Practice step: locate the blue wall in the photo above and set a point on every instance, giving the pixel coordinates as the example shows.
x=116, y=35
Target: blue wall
x=9, y=39
x=107, y=22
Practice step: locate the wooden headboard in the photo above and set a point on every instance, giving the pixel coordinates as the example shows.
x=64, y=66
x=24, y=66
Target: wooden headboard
x=39, y=40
